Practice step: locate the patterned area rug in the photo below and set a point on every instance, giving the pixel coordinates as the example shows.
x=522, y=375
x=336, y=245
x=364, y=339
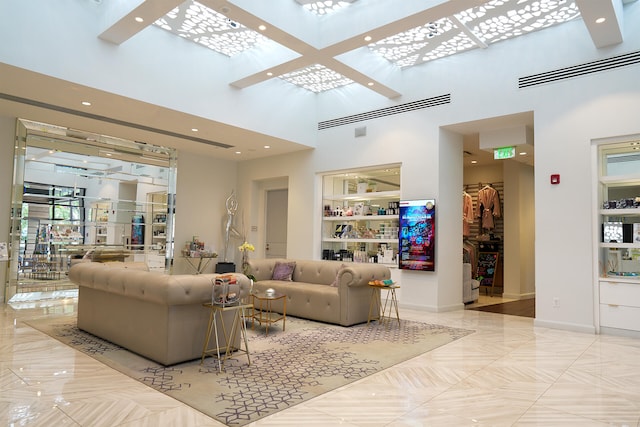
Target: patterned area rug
x=287, y=368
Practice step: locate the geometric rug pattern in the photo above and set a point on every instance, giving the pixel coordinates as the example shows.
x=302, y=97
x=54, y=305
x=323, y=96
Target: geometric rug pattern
x=287, y=368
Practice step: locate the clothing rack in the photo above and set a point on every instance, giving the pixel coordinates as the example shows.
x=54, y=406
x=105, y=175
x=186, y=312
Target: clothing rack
x=470, y=242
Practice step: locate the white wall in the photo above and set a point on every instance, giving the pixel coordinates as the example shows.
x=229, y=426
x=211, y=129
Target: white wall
x=519, y=230
x=203, y=185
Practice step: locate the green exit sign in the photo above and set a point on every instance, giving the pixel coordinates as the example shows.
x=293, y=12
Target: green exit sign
x=504, y=153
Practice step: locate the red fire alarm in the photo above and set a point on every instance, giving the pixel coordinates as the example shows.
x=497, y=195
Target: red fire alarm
x=555, y=178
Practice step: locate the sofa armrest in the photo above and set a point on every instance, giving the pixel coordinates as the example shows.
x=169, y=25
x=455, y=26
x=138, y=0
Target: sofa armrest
x=360, y=274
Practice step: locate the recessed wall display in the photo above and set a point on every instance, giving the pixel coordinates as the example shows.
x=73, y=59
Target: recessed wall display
x=417, y=235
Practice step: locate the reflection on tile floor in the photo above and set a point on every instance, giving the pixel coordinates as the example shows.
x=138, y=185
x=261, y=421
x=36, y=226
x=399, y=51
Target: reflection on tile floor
x=508, y=373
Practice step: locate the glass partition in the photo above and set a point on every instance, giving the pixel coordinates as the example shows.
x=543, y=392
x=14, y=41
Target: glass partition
x=81, y=197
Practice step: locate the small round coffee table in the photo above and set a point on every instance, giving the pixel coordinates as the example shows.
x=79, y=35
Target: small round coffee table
x=263, y=309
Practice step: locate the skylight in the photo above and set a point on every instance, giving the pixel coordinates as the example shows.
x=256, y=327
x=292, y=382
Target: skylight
x=480, y=26
x=209, y=28
x=324, y=7
x=316, y=78
x=491, y=22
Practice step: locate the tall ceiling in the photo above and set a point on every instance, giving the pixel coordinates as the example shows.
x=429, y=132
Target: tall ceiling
x=298, y=42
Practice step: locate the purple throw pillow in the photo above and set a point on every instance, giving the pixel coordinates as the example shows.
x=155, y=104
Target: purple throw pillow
x=283, y=271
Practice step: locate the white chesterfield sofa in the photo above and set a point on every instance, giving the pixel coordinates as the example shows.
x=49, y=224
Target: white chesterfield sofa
x=158, y=316
x=326, y=291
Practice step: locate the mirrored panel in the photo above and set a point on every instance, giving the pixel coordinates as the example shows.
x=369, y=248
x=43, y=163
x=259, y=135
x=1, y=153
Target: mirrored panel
x=83, y=197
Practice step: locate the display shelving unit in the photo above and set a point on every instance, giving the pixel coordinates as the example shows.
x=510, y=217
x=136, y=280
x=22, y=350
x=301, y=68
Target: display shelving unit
x=100, y=218
x=360, y=215
x=157, y=226
x=618, y=284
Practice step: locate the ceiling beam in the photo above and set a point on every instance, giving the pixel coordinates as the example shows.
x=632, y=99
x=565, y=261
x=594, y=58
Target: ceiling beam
x=607, y=32
x=127, y=26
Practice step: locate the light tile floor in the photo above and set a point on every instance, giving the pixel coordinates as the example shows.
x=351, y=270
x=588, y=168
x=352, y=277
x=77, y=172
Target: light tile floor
x=509, y=373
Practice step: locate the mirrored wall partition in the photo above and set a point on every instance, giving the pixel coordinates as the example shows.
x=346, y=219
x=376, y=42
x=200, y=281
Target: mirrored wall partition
x=83, y=197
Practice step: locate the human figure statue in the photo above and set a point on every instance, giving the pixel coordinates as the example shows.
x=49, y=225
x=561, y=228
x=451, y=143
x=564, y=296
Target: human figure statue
x=230, y=229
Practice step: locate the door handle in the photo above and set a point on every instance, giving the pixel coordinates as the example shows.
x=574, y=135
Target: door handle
x=267, y=246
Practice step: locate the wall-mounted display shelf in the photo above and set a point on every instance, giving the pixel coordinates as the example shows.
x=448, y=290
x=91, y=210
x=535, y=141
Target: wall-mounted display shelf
x=360, y=215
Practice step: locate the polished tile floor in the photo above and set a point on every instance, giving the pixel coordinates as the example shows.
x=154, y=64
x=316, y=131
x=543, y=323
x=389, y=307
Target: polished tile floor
x=509, y=373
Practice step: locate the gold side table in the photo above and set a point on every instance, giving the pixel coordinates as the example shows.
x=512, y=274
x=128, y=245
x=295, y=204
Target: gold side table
x=390, y=301
x=238, y=324
x=201, y=265
x=263, y=309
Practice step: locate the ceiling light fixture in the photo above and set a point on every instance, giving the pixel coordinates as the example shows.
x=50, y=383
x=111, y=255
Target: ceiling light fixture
x=267, y=146
x=370, y=84
x=238, y=152
x=473, y=162
x=600, y=20
x=367, y=38
x=86, y=103
x=194, y=129
x=523, y=153
x=262, y=27
x=139, y=19
x=269, y=74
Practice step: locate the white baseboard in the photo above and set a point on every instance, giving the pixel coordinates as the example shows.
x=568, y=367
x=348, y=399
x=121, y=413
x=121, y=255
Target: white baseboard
x=587, y=329
x=529, y=295
x=431, y=308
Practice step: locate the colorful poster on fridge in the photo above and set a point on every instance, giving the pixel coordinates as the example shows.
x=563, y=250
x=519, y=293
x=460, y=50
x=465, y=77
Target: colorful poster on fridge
x=417, y=235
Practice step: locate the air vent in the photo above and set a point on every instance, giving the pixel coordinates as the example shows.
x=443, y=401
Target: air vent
x=389, y=111
x=580, y=70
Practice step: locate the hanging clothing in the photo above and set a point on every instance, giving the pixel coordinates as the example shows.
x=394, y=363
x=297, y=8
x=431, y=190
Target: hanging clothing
x=488, y=207
x=467, y=213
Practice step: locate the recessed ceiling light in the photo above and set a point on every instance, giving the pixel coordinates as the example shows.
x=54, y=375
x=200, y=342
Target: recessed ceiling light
x=238, y=152
x=262, y=27
x=370, y=84
x=267, y=146
x=86, y=103
x=473, y=162
x=269, y=74
x=194, y=129
x=139, y=19
x=367, y=38
x=523, y=153
x=600, y=20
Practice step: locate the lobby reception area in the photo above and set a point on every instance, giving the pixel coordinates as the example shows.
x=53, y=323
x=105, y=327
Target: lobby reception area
x=295, y=167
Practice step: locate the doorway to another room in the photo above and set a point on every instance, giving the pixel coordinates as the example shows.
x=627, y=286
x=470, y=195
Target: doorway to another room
x=498, y=214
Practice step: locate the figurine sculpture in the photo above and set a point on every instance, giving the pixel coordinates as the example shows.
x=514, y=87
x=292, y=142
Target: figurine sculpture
x=230, y=229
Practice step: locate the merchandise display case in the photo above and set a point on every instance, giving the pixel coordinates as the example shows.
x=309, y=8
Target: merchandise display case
x=100, y=217
x=360, y=215
x=619, y=248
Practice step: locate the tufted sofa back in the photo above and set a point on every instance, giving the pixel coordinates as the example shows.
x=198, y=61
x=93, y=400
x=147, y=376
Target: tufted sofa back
x=149, y=286
x=322, y=272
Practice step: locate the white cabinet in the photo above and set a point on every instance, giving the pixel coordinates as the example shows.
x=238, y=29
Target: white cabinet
x=618, y=284
x=360, y=215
